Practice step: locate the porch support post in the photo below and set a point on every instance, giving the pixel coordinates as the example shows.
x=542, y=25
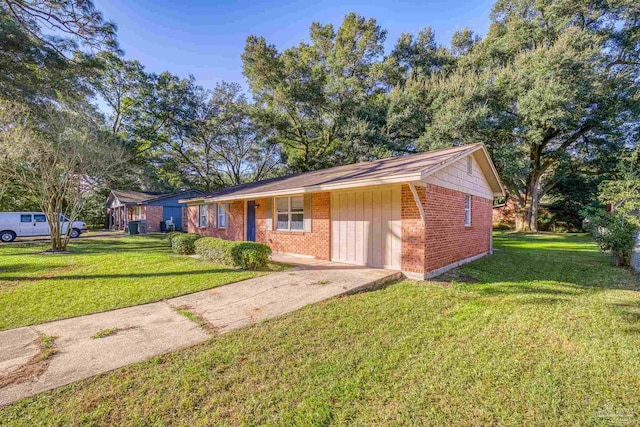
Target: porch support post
x=416, y=198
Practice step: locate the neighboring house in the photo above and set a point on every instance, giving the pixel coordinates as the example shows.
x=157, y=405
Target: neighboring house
x=150, y=208
x=421, y=214
x=504, y=215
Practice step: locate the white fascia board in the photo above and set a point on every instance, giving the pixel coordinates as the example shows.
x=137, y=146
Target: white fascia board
x=194, y=200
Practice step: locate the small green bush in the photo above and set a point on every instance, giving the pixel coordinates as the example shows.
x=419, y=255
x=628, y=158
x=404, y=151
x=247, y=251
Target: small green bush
x=216, y=250
x=251, y=255
x=170, y=235
x=183, y=243
x=247, y=255
x=614, y=235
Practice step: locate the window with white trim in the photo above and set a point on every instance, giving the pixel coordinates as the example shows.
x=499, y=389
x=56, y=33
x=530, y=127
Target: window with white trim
x=290, y=213
x=203, y=215
x=467, y=210
x=222, y=215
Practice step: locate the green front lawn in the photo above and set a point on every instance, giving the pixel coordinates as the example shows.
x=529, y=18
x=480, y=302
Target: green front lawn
x=549, y=335
x=98, y=275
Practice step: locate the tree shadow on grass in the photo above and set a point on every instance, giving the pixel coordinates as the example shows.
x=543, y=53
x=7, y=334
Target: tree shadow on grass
x=31, y=268
x=92, y=247
x=522, y=266
x=116, y=246
x=547, y=266
x=121, y=276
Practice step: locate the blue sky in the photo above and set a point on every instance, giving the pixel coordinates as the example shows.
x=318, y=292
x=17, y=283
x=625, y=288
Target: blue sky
x=206, y=38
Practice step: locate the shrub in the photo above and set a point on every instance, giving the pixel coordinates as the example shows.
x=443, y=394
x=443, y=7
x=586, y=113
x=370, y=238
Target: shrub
x=615, y=235
x=251, y=255
x=170, y=235
x=216, y=250
x=247, y=255
x=183, y=243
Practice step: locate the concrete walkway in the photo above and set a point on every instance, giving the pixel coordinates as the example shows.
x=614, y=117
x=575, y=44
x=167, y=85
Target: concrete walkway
x=148, y=330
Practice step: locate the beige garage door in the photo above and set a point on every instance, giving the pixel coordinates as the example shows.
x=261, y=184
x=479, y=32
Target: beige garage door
x=366, y=227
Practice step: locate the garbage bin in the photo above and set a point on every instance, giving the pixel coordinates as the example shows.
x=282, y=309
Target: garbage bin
x=133, y=227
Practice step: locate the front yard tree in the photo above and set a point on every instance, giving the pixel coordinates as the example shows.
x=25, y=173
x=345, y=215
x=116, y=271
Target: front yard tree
x=58, y=156
x=552, y=83
x=563, y=86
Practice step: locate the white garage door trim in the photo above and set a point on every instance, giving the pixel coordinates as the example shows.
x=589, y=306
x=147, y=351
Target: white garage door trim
x=366, y=227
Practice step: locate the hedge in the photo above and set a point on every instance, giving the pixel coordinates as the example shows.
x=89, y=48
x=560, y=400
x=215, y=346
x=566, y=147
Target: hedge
x=183, y=243
x=247, y=255
x=170, y=235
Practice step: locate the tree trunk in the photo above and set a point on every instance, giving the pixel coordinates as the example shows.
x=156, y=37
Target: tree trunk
x=527, y=215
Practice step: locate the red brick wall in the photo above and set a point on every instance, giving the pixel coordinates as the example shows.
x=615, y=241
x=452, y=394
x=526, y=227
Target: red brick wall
x=317, y=243
x=441, y=240
x=412, y=231
x=153, y=215
x=447, y=240
x=235, y=226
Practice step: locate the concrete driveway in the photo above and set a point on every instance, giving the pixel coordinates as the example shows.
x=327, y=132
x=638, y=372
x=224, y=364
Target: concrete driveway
x=144, y=331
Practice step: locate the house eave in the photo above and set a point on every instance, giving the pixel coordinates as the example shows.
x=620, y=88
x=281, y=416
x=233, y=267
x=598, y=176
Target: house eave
x=395, y=179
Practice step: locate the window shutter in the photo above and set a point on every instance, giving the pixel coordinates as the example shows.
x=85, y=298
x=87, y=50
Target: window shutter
x=307, y=213
x=269, y=207
x=214, y=215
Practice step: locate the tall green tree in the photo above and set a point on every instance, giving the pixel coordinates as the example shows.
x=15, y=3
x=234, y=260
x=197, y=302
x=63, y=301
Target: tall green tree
x=223, y=145
x=119, y=83
x=552, y=82
x=321, y=97
x=47, y=49
x=560, y=91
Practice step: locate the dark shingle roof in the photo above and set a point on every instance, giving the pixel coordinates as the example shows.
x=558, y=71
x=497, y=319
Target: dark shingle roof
x=129, y=196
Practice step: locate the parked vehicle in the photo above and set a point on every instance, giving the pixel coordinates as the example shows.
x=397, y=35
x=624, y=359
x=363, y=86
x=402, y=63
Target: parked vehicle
x=28, y=224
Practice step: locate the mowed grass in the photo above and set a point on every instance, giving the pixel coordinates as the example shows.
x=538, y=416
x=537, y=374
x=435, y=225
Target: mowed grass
x=98, y=275
x=549, y=335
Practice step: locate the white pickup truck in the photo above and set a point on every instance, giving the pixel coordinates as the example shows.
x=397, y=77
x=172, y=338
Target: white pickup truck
x=28, y=224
